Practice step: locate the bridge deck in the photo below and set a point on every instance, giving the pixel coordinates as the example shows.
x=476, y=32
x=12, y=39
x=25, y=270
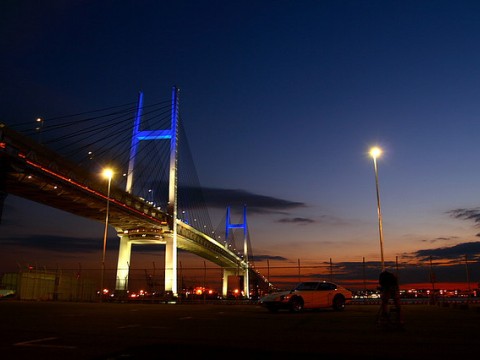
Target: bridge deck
x=32, y=171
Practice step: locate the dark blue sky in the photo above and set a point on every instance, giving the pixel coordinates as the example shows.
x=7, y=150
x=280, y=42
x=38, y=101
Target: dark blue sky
x=281, y=99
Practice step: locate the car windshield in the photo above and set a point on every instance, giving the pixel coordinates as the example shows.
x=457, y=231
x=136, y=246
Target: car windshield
x=307, y=286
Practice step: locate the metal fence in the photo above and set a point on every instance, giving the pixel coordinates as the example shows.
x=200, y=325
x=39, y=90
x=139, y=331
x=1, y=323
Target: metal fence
x=49, y=285
x=64, y=284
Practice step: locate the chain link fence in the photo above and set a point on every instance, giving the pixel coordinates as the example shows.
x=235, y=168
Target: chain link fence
x=64, y=284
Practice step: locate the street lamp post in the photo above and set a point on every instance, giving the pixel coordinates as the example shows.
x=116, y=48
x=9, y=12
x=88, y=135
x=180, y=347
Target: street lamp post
x=375, y=152
x=107, y=173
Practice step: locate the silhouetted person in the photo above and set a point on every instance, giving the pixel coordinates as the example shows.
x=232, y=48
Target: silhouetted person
x=389, y=289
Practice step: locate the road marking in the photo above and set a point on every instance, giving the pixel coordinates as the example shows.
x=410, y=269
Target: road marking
x=129, y=326
x=37, y=341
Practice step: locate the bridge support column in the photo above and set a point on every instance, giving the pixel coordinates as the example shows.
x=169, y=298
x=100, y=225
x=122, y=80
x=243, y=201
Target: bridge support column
x=246, y=284
x=226, y=274
x=171, y=265
x=123, y=264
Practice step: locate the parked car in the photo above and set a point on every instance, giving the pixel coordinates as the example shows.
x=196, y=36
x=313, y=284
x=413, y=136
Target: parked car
x=308, y=295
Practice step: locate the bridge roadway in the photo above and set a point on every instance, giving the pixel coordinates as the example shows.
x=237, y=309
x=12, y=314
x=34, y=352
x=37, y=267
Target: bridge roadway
x=32, y=171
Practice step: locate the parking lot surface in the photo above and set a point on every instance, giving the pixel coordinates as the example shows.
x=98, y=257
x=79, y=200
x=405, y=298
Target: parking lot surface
x=56, y=330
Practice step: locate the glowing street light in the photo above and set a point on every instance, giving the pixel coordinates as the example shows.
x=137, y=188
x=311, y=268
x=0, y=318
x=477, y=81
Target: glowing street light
x=38, y=128
x=375, y=152
x=108, y=174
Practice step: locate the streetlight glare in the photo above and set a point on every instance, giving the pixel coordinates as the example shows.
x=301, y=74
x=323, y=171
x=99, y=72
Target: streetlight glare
x=375, y=152
x=107, y=173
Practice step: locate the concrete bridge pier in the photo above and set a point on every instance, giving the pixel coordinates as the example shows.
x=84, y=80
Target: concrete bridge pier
x=125, y=253
x=226, y=274
x=123, y=264
x=171, y=264
x=243, y=284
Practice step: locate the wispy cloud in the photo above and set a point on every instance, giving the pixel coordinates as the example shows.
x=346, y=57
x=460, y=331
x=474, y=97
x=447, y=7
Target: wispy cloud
x=451, y=252
x=466, y=214
x=268, y=257
x=443, y=238
x=296, y=220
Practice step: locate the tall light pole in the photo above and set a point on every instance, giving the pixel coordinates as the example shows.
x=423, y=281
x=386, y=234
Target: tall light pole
x=107, y=173
x=375, y=152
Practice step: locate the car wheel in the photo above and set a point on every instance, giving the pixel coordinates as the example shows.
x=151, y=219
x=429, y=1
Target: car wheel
x=339, y=303
x=296, y=305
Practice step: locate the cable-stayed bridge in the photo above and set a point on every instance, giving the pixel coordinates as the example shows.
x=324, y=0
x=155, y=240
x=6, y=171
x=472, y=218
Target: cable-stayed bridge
x=149, y=200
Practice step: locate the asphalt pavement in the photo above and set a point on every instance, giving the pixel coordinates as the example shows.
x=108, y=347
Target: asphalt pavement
x=63, y=330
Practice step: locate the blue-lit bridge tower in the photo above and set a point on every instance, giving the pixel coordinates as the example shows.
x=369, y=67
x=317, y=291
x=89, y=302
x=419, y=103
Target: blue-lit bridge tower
x=170, y=238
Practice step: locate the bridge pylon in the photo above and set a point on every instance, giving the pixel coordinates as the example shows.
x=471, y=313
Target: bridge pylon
x=128, y=237
x=241, y=269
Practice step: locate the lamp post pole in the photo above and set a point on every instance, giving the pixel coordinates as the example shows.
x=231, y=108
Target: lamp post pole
x=375, y=153
x=108, y=174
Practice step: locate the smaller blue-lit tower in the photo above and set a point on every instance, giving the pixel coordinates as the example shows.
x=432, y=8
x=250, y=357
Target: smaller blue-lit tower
x=226, y=272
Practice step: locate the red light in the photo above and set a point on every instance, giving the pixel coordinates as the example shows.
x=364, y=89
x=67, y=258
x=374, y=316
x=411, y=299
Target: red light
x=3, y=145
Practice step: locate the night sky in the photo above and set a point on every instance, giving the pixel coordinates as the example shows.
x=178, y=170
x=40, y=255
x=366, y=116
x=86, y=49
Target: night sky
x=281, y=101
